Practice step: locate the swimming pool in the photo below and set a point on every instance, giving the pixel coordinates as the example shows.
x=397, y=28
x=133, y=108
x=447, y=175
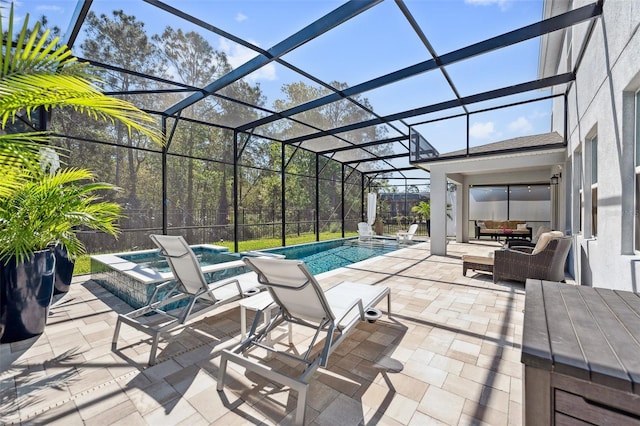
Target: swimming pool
x=325, y=256
x=132, y=276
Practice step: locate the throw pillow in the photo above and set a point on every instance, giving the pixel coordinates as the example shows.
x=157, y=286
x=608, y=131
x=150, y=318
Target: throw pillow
x=480, y=224
x=522, y=227
x=544, y=240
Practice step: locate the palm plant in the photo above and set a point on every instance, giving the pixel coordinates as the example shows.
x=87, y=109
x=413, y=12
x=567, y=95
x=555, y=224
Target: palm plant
x=48, y=208
x=38, y=207
x=423, y=208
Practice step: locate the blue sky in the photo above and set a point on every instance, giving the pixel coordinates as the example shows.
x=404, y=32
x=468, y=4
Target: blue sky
x=376, y=42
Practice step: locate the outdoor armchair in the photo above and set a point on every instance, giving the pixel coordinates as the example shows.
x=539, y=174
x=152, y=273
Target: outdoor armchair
x=365, y=232
x=407, y=235
x=546, y=261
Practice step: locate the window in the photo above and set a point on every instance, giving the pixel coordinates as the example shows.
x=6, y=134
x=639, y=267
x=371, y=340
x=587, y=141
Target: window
x=594, y=186
x=531, y=203
x=578, y=200
x=588, y=181
x=637, y=194
x=488, y=202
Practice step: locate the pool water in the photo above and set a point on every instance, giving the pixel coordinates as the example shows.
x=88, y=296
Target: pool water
x=206, y=257
x=328, y=255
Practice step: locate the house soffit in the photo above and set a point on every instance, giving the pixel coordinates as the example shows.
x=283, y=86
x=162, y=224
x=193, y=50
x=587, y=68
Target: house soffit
x=501, y=163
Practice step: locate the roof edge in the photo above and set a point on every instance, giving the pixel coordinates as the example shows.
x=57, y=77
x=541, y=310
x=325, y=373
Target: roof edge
x=551, y=44
x=495, y=153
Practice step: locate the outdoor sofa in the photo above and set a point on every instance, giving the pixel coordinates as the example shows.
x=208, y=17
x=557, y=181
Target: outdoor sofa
x=503, y=228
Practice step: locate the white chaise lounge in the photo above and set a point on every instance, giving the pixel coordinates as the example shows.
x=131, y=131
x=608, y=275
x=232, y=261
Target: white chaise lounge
x=301, y=300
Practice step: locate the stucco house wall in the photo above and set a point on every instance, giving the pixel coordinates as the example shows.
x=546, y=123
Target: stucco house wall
x=600, y=104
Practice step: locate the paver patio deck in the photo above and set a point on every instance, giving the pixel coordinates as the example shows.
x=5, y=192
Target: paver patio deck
x=450, y=354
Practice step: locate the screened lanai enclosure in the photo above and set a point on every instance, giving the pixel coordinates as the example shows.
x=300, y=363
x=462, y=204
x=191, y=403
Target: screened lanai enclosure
x=280, y=116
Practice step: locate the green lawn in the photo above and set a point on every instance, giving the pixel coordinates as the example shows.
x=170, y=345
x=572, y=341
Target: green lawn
x=83, y=263
x=82, y=266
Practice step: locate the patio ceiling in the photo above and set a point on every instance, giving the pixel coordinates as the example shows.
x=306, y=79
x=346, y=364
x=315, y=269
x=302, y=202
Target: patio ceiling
x=362, y=86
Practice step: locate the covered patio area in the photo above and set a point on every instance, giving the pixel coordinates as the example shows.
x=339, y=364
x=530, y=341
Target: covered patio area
x=450, y=354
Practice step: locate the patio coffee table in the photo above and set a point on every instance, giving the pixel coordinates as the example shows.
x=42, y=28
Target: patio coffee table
x=259, y=302
x=477, y=263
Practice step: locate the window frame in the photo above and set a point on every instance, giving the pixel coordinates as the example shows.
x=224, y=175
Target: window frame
x=636, y=211
x=593, y=142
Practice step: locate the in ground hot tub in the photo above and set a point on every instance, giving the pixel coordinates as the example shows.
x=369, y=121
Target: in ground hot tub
x=133, y=276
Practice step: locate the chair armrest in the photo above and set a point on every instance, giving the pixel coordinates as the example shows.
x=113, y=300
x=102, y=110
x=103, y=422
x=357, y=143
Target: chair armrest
x=509, y=255
x=356, y=302
x=520, y=243
x=159, y=287
x=218, y=285
x=522, y=249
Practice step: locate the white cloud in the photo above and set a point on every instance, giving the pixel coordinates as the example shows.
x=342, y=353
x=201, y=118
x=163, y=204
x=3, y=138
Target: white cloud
x=538, y=114
x=238, y=55
x=520, y=125
x=241, y=17
x=482, y=130
x=501, y=3
x=49, y=8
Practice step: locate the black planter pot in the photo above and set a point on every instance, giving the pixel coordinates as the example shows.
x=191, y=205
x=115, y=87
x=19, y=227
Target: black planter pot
x=64, y=270
x=25, y=296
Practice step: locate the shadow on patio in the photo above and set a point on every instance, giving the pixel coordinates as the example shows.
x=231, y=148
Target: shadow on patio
x=450, y=354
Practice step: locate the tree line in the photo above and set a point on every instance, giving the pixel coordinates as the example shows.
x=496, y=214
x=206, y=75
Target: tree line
x=199, y=161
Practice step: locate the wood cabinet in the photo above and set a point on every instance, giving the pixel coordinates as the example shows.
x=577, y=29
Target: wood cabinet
x=581, y=355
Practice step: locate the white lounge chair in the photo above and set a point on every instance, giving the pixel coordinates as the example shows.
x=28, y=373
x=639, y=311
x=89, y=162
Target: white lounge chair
x=189, y=284
x=302, y=301
x=405, y=236
x=365, y=232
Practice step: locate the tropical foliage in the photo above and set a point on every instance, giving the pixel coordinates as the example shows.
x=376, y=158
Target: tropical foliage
x=423, y=209
x=48, y=208
x=42, y=206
